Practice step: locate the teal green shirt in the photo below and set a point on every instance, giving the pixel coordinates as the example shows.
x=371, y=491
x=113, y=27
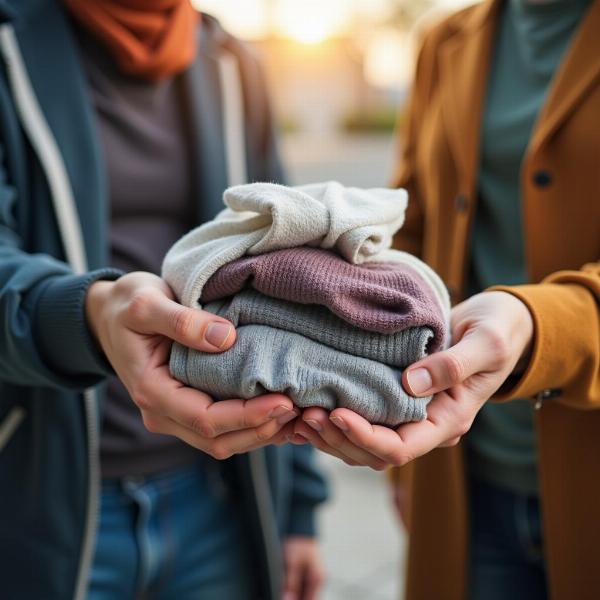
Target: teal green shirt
x=531, y=41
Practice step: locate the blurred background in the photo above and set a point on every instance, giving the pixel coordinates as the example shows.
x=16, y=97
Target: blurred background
x=339, y=72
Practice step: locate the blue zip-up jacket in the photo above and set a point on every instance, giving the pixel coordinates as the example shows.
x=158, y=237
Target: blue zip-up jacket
x=48, y=426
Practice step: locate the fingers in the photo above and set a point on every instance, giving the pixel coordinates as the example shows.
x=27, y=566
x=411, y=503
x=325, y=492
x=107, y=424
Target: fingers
x=233, y=415
x=313, y=583
x=304, y=434
x=293, y=577
x=161, y=395
x=151, y=311
x=382, y=442
x=447, y=419
x=303, y=572
x=476, y=352
x=223, y=446
x=331, y=439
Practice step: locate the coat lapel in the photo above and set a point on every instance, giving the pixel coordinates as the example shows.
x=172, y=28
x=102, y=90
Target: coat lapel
x=464, y=65
x=578, y=72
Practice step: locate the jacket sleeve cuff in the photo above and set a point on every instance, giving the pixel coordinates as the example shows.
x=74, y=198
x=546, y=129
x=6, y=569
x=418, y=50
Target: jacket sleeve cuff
x=302, y=520
x=62, y=332
x=559, y=312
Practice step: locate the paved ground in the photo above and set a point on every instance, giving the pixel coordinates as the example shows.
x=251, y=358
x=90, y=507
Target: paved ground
x=362, y=543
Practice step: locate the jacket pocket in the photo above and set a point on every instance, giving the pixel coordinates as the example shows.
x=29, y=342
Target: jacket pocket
x=9, y=424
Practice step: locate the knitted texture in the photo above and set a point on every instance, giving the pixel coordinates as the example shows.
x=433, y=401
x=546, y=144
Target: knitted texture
x=378, y=297
x=310, y=373
x=321, y=325
x=261, y=217
x=429, y=275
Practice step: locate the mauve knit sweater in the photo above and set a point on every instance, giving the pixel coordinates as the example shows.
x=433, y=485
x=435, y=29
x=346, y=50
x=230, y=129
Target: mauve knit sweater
x=378, y=297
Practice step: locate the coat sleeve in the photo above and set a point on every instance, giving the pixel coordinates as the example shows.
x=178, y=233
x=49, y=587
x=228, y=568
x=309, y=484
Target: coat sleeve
x=565, y=361
x=44, y=337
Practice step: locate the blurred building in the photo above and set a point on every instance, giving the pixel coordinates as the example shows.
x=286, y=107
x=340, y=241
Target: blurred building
x=317, y=88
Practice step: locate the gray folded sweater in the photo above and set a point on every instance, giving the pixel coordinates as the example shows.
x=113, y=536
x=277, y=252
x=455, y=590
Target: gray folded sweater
x=316, y=322
x=266, y=359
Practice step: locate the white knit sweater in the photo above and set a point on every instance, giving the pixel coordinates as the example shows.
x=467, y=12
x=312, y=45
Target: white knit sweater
x=358, y=224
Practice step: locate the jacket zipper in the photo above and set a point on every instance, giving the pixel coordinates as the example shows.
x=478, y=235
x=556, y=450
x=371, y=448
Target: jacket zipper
x=265, y=509
x=10, y=424
x=43, y=143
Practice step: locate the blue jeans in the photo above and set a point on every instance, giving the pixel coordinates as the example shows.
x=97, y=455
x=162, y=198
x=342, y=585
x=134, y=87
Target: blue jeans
x=176, y=535
x=506, y=558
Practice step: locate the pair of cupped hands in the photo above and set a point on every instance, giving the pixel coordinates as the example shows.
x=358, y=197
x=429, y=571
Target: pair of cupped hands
x=136, y=319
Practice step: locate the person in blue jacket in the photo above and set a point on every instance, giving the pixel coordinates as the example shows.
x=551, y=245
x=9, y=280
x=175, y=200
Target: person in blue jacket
x=121, y=122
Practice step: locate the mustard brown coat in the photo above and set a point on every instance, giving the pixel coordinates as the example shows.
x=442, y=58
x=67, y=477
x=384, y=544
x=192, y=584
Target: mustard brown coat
x=560, y=185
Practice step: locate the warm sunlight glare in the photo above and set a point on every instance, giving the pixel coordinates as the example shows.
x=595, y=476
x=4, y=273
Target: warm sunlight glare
x=312, y=21
x=388, y=59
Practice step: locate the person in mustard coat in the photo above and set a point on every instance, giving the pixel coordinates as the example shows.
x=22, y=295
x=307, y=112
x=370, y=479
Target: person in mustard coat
x=501, y=157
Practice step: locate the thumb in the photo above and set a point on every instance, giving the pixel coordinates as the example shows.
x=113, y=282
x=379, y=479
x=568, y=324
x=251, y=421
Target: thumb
x=191, y=327
x=451, y=367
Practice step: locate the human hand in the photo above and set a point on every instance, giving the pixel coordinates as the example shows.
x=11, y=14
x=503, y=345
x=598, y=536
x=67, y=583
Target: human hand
x=135, y=320
x=304, y=574
x=492, y=334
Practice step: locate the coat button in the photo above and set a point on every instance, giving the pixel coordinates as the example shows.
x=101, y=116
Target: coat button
x=546, y=394
x=461, y=203
x=542, y=178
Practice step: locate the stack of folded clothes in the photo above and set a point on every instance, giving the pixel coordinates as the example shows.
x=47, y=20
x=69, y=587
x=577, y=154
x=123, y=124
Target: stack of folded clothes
x=325, y=311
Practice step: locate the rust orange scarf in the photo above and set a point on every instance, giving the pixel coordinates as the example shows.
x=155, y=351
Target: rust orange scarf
x=152, y=39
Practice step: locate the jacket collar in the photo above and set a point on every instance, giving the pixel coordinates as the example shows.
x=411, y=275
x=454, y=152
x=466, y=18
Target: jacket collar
x=465, y=58
x=17, y=10
x=51, y=58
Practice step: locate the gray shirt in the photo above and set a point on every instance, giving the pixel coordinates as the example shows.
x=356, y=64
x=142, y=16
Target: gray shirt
x=142, y=129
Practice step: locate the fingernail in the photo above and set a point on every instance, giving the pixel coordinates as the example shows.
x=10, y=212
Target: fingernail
x=287, y=418
x=217, y=334
x=419, y=381
x=314, y=424
x=296, y=438
x=280, y=411
x=339, y=423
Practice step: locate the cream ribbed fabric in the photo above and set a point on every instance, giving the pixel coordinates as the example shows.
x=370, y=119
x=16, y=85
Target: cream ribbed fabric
x=357, y=224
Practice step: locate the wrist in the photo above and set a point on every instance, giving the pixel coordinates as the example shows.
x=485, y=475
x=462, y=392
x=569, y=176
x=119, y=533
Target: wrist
x=95, y=301
x=524, y=329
